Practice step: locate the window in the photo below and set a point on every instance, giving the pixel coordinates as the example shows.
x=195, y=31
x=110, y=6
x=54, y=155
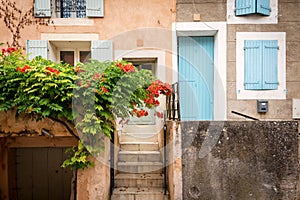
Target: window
x=84, y=56
x=246, y=7
x=69, y=8
x=67, y=57
x=148, y=64
x=70, y=52
x=260, y=65
x=73, y=57
x=252, y=11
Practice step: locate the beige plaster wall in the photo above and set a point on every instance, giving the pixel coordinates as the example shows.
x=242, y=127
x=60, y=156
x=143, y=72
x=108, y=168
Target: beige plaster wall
x=94, y=182
x=174, y=160
x=119, y=16
x=13, y=125
x=126, y=23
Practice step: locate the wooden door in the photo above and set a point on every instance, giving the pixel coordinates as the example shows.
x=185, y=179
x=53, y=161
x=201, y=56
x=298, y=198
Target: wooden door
x=36, y=173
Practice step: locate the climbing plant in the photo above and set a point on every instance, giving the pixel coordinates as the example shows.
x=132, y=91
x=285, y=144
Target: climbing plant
x=89, y=95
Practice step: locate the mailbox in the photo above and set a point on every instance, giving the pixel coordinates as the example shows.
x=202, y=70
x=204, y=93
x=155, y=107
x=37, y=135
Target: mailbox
x=262, y=106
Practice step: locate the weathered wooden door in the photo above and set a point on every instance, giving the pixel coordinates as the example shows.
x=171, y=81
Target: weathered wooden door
x=196, y=77
x=35, y=174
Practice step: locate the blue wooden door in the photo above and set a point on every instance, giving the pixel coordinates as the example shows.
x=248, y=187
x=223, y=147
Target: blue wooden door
x=196, y=77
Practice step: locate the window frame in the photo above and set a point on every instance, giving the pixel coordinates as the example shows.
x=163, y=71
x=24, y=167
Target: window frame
x=281, y=91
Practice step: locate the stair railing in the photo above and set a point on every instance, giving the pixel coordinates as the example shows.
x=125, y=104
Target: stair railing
x=172, y=103
x=112, y=163
x=165, y=154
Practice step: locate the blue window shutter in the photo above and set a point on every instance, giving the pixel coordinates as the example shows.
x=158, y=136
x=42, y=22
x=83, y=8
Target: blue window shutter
x=42, y=8
x=37, y=48
x=94, y=8
x=263, y=7
x=245, y=7
x=102, y=50
x=270, y=64
x=253, y=64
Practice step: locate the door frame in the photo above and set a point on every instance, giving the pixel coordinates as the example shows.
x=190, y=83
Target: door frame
x=218, y=30
x=160, y=73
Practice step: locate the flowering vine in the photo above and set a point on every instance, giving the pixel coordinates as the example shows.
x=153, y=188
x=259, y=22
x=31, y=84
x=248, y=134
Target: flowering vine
x=89, y=95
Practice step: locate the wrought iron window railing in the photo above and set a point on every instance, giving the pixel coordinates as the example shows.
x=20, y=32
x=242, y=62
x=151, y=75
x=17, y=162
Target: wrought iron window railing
x=71, y=8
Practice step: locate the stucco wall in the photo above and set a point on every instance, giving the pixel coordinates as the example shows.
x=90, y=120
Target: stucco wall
x=240, y=160
x=288, y=22
x=119, y=16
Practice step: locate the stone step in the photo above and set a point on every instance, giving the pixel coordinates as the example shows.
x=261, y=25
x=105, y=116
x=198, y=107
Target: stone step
x=139, y=146
x=138, y=137
x=139, y=180
x=139, y=156
x=140, y=167
x=137, y=193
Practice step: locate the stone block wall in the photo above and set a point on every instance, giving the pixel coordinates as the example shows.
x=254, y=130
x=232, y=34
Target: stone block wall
x=288, y=22
x=240, y=160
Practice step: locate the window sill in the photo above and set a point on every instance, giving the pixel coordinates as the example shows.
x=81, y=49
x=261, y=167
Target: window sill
x=71, y=22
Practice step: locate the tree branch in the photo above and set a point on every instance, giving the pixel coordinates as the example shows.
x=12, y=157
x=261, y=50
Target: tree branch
x=66, y=125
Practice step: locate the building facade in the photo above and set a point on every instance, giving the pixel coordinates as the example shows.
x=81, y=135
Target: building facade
x=75, y=31
x=255, y=47
x=233, y=61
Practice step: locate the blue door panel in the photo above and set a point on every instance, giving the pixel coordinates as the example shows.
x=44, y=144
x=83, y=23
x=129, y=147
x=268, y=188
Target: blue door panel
x=196, y=77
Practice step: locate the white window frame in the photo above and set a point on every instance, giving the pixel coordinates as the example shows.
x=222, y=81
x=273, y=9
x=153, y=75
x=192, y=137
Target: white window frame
x=219, y=31
x=252, y=19
x=52, y=37
x=280, y=93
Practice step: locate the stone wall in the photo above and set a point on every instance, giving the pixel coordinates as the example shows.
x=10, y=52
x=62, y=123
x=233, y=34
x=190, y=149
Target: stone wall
x=240, y=160
x=288, y=22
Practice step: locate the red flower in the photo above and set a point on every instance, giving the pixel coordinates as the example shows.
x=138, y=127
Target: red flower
x=104, y=89
x=126, y=68
x=23, y=69
x=51, y=70
x=154, y=90
x=141, y=113
x=159, y=114
x=96, y=76
x=9, y=50
x=78, y=69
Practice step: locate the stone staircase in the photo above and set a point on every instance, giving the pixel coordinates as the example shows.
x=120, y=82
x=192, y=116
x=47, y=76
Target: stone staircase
x=139, y=168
